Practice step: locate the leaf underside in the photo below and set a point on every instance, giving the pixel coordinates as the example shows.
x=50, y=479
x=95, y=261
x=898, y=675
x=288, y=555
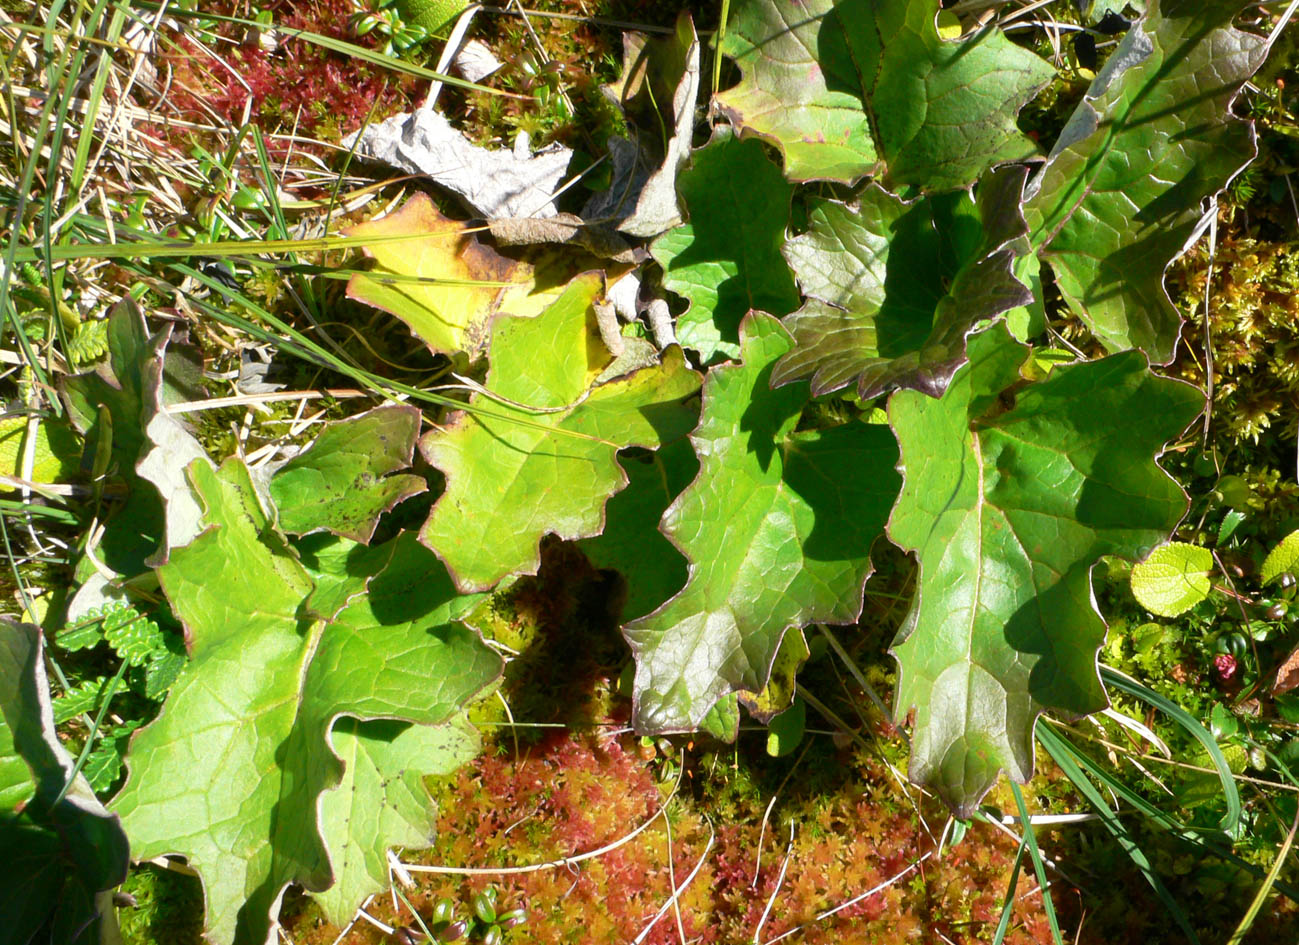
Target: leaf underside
x=893, y=288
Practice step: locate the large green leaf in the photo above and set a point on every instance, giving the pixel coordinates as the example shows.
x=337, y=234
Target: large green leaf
x=631, y=542
x=778, y=528
x=837, y=86
x=800, y=90
x=231, y=773
x=545, y=460
x=941, y=112
x=1122, y=189
x=60, y=849
x=341, y=482
x=893, y=287
x=1011, y=493
x=727, y=260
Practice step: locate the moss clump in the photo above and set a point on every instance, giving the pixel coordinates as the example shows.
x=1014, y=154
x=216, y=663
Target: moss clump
x=1253, y=332
x=168, y=907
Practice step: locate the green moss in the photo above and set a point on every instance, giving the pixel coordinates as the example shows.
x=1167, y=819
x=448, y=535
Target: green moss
x=168, y=908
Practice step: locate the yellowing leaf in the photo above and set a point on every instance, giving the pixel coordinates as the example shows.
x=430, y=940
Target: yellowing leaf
x=54, y=451
x=452, y=310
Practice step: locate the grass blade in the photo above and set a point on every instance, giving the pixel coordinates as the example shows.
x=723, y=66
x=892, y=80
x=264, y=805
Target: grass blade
x=1030, y=841
x=1230, y=820
x=1061, y=751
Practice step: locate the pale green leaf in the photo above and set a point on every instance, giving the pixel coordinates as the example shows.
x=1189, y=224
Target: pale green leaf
x=520, y=473
x=1284, y=557
x=231, y=772
x=341, y=483
x=381, y=801
x=1172, y=579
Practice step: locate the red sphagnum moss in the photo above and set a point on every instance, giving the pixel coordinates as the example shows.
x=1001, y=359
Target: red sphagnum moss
x=572, y=793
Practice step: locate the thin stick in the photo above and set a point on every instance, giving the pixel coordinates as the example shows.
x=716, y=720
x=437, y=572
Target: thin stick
x=551, y=864
x=851, y=902
x=243, y=400
x=780, y=881
x=676, y=893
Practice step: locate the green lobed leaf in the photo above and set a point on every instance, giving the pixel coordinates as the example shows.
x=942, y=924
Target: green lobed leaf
x=1121, y=191
x=231, y=772
x=800, y=90
x=855, y=87
x=631, y=542
x=727, y=259
x=893, y=287
x=778, y=527
x=341, y=482
x=1172, y=579
x=520, y=473
x=941, y=112
x=382, y=802
x=61, y=849
x=1011, y=493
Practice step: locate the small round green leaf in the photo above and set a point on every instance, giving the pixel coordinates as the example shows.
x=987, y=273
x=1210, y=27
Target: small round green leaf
x=1173, y=579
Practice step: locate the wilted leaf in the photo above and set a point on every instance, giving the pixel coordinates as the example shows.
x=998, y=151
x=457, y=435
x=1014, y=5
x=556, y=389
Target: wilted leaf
x=838, y=86
x=496, y=182
x=1287, y=674
x=514, y=473
x=1172, y=579
x=341, y=482
x=58, y=852
x=230, y=774
x=657, y=90
x=727, y=260
x=448, y=312
x=892, y=288
x=1011, y=493
x=778, y=527
x=1122, y=189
